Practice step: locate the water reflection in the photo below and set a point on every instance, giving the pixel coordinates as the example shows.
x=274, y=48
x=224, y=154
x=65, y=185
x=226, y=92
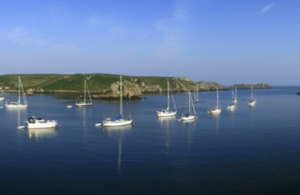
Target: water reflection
x=83, y=111
x=190, y=125
x=35, y=134
x=118, y=131
x=164, y=123
x=17, y=115
x=216, y=118
x=252, y=114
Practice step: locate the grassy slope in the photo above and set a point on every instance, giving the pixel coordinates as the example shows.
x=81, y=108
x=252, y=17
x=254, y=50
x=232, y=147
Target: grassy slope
x=96, y=82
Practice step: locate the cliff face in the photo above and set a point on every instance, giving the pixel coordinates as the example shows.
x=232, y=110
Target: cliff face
x=131, y=89
x=210, y=86
x=257, y=86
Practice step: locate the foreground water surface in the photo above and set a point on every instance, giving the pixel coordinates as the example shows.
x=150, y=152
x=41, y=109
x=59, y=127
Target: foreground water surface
x=246, y=151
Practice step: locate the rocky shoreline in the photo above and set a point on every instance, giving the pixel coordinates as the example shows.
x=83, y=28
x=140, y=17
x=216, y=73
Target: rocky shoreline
x=134, y=90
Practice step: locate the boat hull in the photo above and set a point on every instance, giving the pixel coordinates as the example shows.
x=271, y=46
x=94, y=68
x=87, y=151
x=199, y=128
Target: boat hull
x=116, y=123
x=251, y=104
x=191, y=117
x=41, y=126
x=83, y=105
x=16, y=105
x=162, y=114
x=231, y=107
x=218, y=111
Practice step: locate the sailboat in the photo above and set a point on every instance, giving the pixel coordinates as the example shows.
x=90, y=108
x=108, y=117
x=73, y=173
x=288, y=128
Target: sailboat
x=217, y=109
x=196, y=99
x=235, y=96
x=18, y=104
x=118, y=121
x=84, y=103
x=189, y=116
x=231, y=106
x=252, y=102
x=167, y=112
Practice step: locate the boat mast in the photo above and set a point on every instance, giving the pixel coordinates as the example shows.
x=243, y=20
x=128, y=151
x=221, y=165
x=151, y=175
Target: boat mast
x=121, y=106
x=84, y=91
x=168, y=97
x=19, y=101
x=217, y=99
x=189, y=102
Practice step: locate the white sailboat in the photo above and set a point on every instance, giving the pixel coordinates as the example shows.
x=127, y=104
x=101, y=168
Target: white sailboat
x=189, y=116
x=85, y=103
x=252, y=102
x=18, y=104
x=217, y=109
x=231, y=106
x=196, y=99
x=39, y=123
x=167, y=112
x=118, y=121
x=235, y=96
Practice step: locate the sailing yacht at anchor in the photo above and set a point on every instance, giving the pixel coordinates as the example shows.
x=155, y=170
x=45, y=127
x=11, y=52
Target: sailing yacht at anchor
x=252, y=102
x=84, y=103
x=196, y=99
x=18, y=104
x=217, y=109
x=167, y=112
x=189, y=116
x=118, y=121
x=231, y=106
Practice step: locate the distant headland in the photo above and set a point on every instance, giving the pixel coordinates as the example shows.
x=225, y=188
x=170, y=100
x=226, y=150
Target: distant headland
x=106, y=86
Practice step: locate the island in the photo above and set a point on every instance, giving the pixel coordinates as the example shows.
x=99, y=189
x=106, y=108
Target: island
x=106, y=86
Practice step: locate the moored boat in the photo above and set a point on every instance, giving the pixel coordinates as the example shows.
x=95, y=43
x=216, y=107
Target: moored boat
x=38, y=123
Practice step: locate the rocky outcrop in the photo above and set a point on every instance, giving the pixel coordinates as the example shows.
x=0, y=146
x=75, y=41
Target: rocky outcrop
x=130, y=90
x=248, y=86
x=29, y=92
x=150, y=88
x=210, y=86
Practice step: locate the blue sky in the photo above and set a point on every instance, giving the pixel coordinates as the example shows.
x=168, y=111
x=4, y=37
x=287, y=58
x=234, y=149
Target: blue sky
x=232, y=41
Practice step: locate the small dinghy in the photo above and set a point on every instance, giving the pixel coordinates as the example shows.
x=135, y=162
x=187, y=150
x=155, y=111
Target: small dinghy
x=98, y=124
x=21, y=127
x=69, y=106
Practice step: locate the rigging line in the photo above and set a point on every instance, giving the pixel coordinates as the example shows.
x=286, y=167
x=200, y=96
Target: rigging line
x=88, y=92
x=173, y=101
x=128, y=105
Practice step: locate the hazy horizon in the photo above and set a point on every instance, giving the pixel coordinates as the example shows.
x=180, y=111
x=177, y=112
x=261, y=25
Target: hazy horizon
x=215, y=41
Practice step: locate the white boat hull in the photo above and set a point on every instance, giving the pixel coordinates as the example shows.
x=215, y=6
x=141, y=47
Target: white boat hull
x=217, y=111
x=116, y=123
x=251, y=104
x=83, y=104
x=231, y=107
x=168, y=113
x=16, y=105
x=1, y=98
x=48, y=124
x=186, y=118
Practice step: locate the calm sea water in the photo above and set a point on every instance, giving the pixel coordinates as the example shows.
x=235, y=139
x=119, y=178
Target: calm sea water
x=246, y=151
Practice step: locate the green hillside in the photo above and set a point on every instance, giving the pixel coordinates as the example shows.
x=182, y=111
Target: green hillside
x=96, y=82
